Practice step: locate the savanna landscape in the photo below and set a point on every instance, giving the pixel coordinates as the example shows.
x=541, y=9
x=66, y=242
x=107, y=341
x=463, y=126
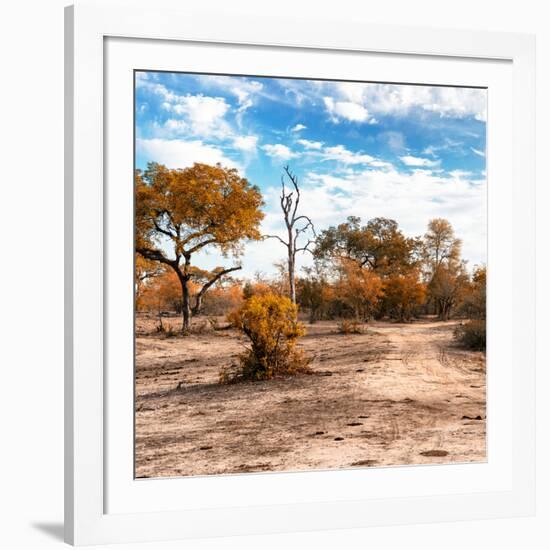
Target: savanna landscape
x=297, y=325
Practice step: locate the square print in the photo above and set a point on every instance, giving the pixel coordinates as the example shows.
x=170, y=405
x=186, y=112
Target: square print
x=310, y=274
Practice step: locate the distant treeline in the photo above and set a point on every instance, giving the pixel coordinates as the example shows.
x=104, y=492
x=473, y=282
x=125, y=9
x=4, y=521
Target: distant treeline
x=359, y=271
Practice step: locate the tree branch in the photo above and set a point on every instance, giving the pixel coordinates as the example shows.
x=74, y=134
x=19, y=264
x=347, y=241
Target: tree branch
x=200, y=245
x=309, y=224
x=274, y=237
x=163, y=231
x=305, y=248
x=294, y=181
x=208, y=284
x=157, y=256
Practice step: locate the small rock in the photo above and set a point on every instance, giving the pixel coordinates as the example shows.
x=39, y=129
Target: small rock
x=434, y=452
x=338, y=439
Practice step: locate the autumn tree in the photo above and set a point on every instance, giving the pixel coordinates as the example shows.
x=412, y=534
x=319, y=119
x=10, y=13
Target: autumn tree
x=360, y=289
x=403, y=294
x=474, y=303
x=314, y=291
x=473, y=334
x=440, y=246
x=144, y=270
x=446, y=288
x=181, y=212
x=378, y=246
x=445, y=273
x=161, y=293
x=297, y=225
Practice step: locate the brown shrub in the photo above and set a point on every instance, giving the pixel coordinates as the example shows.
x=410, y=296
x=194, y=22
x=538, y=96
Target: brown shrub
x=346, y=326
x=472, y=335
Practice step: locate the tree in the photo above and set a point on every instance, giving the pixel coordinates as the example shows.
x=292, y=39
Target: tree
x=402, y=295
x=296, y=226
x=180, y=212
x=314, y=291
x=440, y=245
x=378, y=246
x=160, y=294
x=447, y=287
x=359, y=288
x=445, y=272
x=474, y=303
x=144, y=270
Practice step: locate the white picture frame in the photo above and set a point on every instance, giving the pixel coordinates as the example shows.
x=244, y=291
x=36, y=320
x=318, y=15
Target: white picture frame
x=95, y=453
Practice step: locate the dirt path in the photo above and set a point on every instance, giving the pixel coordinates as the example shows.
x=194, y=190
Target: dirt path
x=399, y=394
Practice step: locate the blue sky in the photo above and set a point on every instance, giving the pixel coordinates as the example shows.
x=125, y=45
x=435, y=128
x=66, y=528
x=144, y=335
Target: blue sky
x=406, y=152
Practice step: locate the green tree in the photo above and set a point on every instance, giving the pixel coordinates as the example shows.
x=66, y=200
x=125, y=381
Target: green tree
x=378, y=246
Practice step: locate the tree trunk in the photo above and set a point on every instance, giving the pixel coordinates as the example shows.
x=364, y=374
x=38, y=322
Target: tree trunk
x=291, y=266
x=185, y=304
x=198, y=304
x=291, y=280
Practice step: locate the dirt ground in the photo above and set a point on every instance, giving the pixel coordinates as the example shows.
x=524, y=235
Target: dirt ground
x=397, y=394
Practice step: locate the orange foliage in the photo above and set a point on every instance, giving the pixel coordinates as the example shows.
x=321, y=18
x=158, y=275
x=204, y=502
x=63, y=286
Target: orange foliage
x=271, y=323
x=359, y=288
x=403, y=294
x=162, y=293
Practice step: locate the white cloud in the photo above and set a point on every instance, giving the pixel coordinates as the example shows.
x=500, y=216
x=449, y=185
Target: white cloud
x=176, y=126
x=340, y=154
x=308, y=144
x=381, y=164
x=200, y=115
x=175, y=153
x=279, y=151
x=478, y=152
x=459, y=174
x=245, y=143
x=298, y=128
x=393, y=99
x=409, y=160
x=245, y=90
x=204, y=114
x=346, y=110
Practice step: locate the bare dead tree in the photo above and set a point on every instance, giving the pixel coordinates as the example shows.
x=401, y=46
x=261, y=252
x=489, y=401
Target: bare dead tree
x=296, y=225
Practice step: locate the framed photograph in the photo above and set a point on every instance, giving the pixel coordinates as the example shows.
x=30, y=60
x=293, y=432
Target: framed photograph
x=297, y=294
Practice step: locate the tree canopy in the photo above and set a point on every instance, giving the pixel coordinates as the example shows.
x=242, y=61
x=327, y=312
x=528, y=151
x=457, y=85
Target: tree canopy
x=379, y=245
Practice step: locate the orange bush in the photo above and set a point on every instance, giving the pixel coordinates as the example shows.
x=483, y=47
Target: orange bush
x=271, y=324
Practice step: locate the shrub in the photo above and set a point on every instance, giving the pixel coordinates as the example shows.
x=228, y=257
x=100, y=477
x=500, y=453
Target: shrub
x=472, y=335
x=168, y=331
x=345, y=326
x=271, y=324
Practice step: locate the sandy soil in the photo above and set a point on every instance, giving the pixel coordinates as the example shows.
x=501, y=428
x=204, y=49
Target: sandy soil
x=398, y=394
